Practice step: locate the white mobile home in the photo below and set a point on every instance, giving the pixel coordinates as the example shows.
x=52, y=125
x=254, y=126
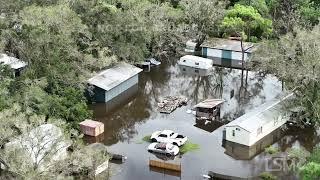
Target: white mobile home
x=110, y=83
x=195, y=62
x=256, y=124
x=191, y=71
x=15, y=64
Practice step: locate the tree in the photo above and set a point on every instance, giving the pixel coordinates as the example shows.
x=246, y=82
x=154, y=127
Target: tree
x=36, y=148
x=260, y=5
x=202, y=17
x=294, y=59
x=248, y=21
x=286, y=14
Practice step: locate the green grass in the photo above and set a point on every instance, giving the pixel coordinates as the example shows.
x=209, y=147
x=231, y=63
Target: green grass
x=188, y=147
x=272, y=150
x=146, y=138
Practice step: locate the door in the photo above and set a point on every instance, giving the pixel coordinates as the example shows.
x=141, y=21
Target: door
x=226, y=59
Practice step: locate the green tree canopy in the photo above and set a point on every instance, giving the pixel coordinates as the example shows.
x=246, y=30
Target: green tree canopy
x=248, y=21
x=294, y=59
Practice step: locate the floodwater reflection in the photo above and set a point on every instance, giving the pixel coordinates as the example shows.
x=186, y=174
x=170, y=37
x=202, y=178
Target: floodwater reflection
x=130, y=121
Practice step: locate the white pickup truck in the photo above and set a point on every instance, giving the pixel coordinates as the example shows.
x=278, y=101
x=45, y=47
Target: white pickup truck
x=168, y=136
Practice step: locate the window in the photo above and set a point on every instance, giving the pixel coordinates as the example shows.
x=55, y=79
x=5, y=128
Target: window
x=171, y=134
x=196, y=71
x=161, y=146
x=162, y=135
x=183, y=69
x=184, y=61
x=259, y=131
x=238, y=129
x=233, y=133
x=197, y=63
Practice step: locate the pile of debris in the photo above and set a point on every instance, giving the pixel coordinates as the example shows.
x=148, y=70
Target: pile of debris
x=170, y=103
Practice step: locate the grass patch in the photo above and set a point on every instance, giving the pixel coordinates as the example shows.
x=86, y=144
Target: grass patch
x=188, y=147
x=272, y=150
x=139, y=142
x=267, y=176
x=147, y=138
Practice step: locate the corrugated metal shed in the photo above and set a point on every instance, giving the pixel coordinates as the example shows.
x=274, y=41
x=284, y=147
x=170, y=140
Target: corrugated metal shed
x=13, y=62
x=114, y=76
x=261, y=115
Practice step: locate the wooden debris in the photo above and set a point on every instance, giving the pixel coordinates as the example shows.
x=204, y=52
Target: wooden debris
x=170, y=103
x=165, y=165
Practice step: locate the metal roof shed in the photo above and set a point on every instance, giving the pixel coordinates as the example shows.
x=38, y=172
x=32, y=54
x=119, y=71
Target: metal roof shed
x=113, y=81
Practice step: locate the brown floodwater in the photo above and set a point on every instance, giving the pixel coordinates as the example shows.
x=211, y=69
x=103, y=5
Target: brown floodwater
x=134, y=115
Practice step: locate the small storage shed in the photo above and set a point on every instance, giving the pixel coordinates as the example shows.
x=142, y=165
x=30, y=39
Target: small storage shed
x=208, y=108
x=195, y=62
x=91, y=128
x=256, y=124
x=225, y=52
x=111, y=82
x=15, y=64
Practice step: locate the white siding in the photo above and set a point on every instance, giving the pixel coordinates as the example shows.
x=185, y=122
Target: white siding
x=214, y=52
x=249, y=139
x=121, y=87
x=238, y=55
x=241, y=136
x=267, y=129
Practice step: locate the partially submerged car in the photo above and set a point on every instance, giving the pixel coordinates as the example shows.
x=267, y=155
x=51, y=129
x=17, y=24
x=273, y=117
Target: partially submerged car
x=164, y=148
x=168, y=136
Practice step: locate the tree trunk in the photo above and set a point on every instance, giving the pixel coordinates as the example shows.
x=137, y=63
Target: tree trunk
x=242, y=62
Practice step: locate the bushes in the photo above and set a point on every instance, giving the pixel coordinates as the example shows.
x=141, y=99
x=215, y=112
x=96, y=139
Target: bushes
x=267, y=176
x=272, y=150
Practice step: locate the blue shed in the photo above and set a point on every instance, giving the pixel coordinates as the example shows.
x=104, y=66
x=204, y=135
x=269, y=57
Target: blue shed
x=111, y=82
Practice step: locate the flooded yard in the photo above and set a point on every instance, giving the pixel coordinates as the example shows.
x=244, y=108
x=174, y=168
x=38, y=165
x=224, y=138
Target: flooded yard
x=136, y=116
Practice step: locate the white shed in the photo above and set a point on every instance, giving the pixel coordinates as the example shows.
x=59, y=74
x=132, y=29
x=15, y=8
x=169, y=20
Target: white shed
x=111, y=82
x=16, y=64
x=195, y=62
x=256, y=124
